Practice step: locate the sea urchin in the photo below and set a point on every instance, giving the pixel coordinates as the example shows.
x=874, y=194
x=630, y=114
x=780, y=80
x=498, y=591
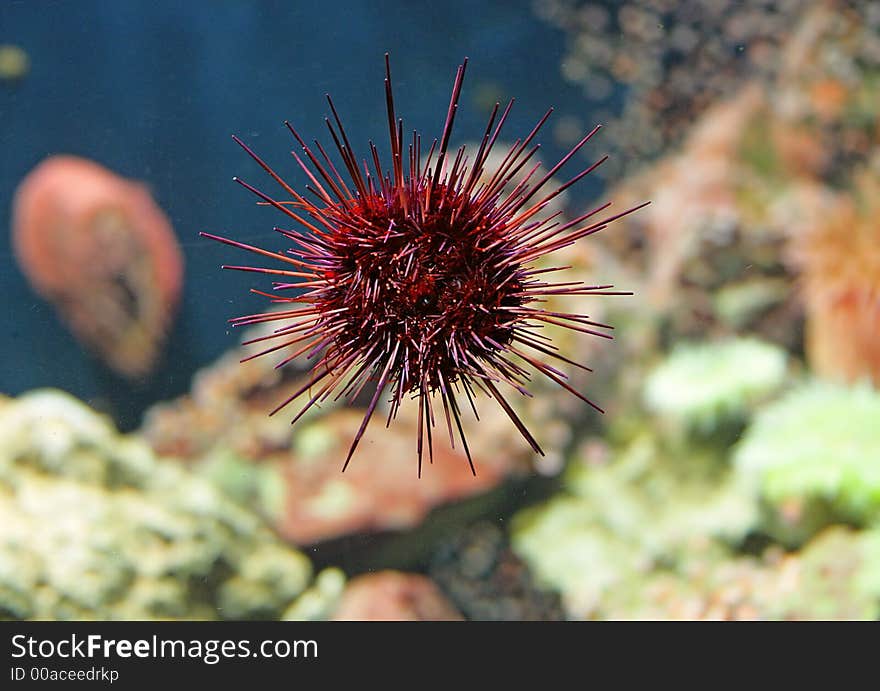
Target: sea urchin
x=422, y=279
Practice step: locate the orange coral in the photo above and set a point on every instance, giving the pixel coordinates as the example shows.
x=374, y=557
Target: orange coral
x=99, y=249
x=840, y=262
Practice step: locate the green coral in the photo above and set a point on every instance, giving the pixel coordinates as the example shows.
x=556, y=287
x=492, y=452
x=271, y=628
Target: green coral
x=702, y=386
x=621, y=520
x=92, y=525
x=815, y=455
x=649, y=536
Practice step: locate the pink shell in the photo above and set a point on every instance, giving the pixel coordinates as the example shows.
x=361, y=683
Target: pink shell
x=102, y=252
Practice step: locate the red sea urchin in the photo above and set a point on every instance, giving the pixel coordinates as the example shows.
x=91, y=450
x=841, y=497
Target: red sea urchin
x=422, y=278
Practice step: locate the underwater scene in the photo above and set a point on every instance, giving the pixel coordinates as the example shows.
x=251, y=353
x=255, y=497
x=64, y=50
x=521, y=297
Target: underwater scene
x=551, y=310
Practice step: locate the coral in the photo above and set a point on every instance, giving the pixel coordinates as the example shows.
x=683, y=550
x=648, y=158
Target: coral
x=813, y=455
x=645, y=536
x=838, y=256
x=702, y=385
x=227, y=407
x=701, y=264
x=625, y=514
x=322, y=502
x=99, y=249
x=93, y=525
x=394, y=596
x=764, y=207
x=487, y=581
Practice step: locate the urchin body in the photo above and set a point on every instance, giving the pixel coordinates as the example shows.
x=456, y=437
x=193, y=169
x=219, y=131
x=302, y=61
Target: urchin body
x=419, y=281
x=441, y=286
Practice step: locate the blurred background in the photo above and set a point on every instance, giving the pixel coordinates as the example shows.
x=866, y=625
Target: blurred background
x=736, y=472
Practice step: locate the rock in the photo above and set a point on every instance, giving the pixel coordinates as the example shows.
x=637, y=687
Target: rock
x=394, y=596
x=487, y=581
x=380, y=490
